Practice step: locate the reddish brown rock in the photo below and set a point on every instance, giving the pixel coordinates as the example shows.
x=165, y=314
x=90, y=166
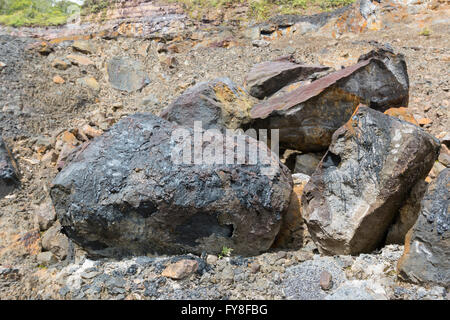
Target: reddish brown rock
x=308, y=116
x=364, y=178
x=266, y=78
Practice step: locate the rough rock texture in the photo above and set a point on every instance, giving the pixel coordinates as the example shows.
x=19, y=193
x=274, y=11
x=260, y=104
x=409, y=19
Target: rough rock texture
x=407, y=215
x=124, y=193
x=8, y=176
x=180, y=269
x=56, y=242
x=266, y=78
x=363, y=179
x=427, y=247
x=126, y=74
x=307, y=163
x=402, y=113
x=218, y=104
x=292, y=228
x=308, y=115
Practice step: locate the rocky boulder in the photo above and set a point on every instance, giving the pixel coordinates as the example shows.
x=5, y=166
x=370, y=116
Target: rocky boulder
x=128, y=192
x=426, y=258
x=357, y=189
x=308, y=115
x=407, y=215
x=266, y=78
x=8, y=176
x=126, y=74
x=218, y=104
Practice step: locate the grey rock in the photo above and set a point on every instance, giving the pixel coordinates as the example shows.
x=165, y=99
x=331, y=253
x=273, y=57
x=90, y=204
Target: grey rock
x=426, y=258
x=355, y=290
x=326, y=280
x=259, y=43
x=126, y=193
x=53, y=240
x=407, y=215
x=45, y=215
x=126, y=74
x=47, y=258
x=8, y=171
x=373, y=162
x=307, y=163
x=218, y=104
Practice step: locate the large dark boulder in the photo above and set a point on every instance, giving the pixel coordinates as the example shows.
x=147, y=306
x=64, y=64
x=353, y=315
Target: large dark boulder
x=364, y=178
x=8, y=175
x=219, y=104
x=266, y=78
x=126, y=193
x=426, y=258
x=308, y=116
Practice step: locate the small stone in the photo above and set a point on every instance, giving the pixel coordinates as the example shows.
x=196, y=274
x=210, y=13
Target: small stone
x=173, y=48
x=2, y=65
x=211, y=259
x=180, y=269
x=56, y=242
x=83, y=46
x=89, y=82
x=89, y=132
x=228, y=274
x=58, y=80
x=69, y=137
x=90, y=274
x=45, y=215
x=255, y=267
x=46, y=258
x=444, y=156
x=302, y=256
x=326, y=280
x=61, y=64
x=168, y=61
x=260, y=43
x=78, y=60
x=444, y=137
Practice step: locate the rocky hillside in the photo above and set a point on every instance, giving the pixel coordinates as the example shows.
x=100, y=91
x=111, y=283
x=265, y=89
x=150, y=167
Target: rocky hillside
x=106, y=191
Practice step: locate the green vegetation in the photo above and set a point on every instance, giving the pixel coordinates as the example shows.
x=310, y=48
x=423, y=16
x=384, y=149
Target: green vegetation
x=263, y=9
x=96, y=6
x=226, y=252
x=19, y=13
x=425, y=32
